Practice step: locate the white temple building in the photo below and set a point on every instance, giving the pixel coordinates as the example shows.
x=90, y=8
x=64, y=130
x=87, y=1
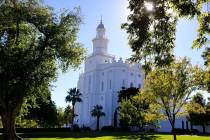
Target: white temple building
x=101, y=81
x=103, y=78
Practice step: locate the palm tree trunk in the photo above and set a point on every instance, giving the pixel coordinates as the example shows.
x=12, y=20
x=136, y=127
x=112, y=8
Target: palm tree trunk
x=72, y=121
x=97, y=125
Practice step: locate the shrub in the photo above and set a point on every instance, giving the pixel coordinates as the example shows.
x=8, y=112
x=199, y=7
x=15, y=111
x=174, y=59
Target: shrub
x=107, y=128
x=85, y=128
x=75, y=128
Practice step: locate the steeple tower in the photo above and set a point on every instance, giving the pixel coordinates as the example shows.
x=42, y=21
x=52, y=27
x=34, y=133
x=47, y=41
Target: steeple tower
x=100, y=42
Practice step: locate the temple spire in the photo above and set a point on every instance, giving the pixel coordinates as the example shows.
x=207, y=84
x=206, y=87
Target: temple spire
x=101, y=20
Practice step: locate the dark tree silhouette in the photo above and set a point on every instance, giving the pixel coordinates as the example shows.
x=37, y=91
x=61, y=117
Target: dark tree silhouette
x=199, y=112
x=127, y=93
x=97, y=112
x=73, y=97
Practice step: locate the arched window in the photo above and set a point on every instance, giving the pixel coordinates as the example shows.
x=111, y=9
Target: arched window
x=102, y=86
x=139, y=86
x=123, y=83
x=110, y=84
x=89, y=83
x=131, y=85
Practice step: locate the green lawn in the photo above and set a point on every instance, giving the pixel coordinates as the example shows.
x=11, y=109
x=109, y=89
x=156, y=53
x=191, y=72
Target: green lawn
x=105, y=136
x=156, y=137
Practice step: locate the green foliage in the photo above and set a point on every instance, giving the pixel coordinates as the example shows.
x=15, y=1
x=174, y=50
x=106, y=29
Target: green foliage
x=73, y=97
x=199, y=10
x=152, y=31
x=98, y=113
x=139, y=112
x=26, y=123
x=199, y=111
x=169, y=88
x=127, y=93
x=60, y=117
x=68, y=114
x=39, y=114
x=202, y=78
x=206, y=57
x=34, y=44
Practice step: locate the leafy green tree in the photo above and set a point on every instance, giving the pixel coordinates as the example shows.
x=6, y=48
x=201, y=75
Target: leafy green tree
x=39, y=114
x=60, y=116
x=206, y=57
x=123, y=98
x=98, y=113
x=68, y=114
x=169, y=89
x=199, y=111
x=152, y=26
x=138, y=112
x=151, y=33
x=127, y=93
x=73, y=97
x=34, y=43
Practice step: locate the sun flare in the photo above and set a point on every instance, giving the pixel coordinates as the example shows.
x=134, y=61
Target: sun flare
x=149, y=6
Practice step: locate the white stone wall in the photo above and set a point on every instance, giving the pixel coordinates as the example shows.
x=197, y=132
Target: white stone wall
x=101, y=86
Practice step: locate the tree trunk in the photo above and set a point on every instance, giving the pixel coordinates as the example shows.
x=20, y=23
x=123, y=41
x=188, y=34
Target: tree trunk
x=9, y=132
x=73, y=114
x=97, y=125
x=173, y=126
x=174, y=133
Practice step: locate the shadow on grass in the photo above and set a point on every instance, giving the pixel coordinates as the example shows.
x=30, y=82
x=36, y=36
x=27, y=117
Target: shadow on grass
x=115, y=135
x=139, y=137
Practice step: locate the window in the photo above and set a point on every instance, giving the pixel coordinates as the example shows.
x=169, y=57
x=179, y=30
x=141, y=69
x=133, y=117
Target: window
x=131, y=85
x=131, y=74
x=103, y=73
x=123, y=83
x=139, y=86
x=139, y=75
x=110, y=84
x=89, y=83
x=102, y=86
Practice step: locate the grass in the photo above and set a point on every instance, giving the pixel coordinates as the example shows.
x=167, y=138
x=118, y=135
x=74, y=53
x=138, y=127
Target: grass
x=105, y=136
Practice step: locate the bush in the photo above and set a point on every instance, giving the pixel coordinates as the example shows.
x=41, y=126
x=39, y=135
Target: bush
x=75, y=128
x=85, y=128
x=107, y=128
x=194, y=131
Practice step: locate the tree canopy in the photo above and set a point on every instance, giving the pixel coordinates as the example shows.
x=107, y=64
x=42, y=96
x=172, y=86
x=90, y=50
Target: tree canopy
x=199, y=111
x=34, y=43
x=152, y=31
x=170, y=88
x=73, y=97
x=97, y=112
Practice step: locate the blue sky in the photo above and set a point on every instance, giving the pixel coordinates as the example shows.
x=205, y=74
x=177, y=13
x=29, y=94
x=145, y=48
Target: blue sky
x=114, y=13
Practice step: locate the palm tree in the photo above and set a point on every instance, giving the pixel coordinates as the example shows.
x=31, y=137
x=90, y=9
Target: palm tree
x=97, y=112
x=73, y=97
